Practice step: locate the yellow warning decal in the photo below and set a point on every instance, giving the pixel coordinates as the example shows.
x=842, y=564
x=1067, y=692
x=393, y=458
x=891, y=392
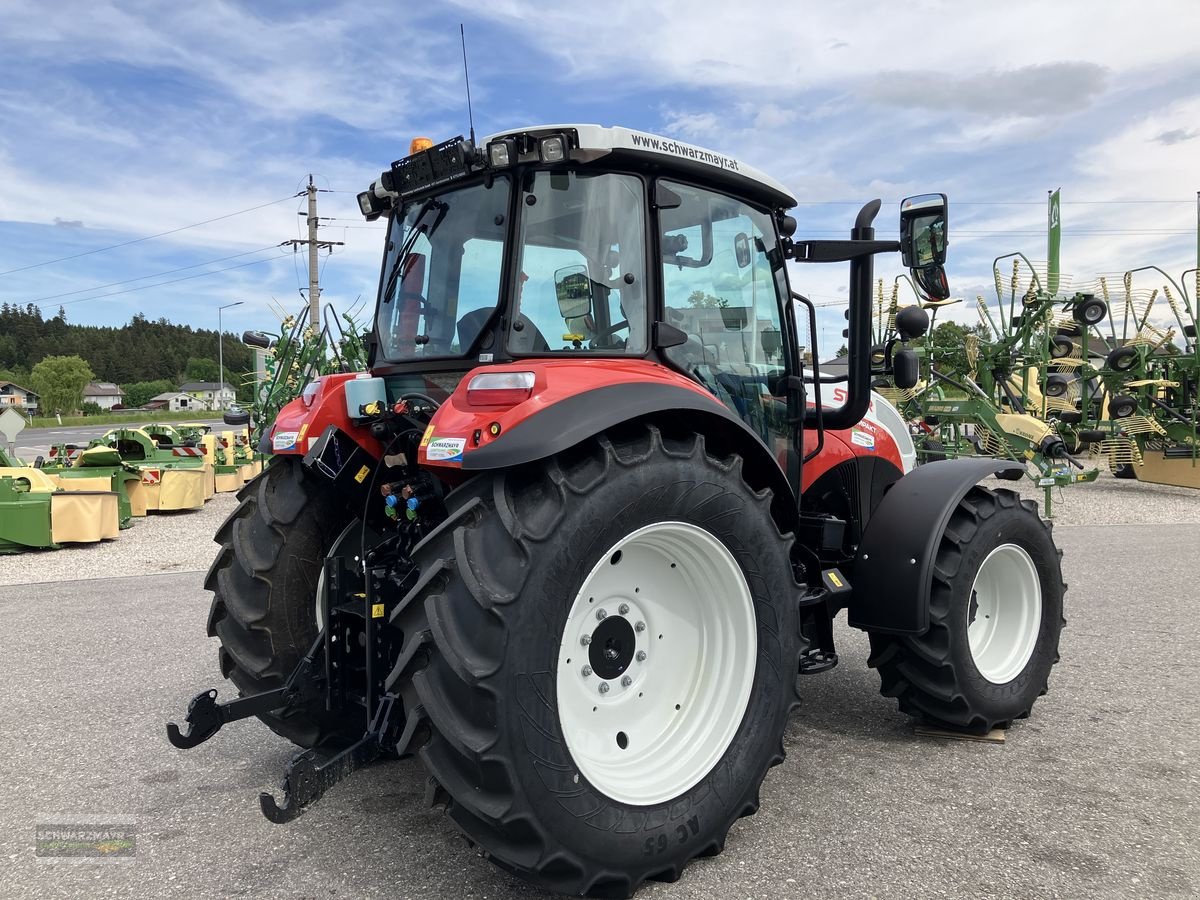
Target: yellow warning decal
x=362, y=474
x=376, y=610
x=303, y=431
x=837, y=582
x=427, y=437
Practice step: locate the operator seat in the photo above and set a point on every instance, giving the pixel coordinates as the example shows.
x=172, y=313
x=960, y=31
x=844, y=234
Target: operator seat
x=471, y=324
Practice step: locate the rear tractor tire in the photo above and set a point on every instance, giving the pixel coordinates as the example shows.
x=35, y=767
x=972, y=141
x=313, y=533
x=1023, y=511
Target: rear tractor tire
x=995, y=616
x=611, y=660
x=264, y=583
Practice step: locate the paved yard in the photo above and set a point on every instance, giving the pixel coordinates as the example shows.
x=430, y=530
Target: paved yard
x=1096, y=795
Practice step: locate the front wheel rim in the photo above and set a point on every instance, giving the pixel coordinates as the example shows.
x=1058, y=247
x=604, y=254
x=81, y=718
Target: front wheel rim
x=1005, y=616
x=656, y=663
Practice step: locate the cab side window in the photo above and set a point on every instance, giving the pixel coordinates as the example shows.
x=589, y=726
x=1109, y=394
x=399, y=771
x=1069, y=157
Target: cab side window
x=721, y=288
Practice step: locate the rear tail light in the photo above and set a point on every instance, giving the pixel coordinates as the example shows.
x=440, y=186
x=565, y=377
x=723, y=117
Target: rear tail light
x=500, y=388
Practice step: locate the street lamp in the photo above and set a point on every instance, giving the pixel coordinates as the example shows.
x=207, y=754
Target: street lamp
x=221, y=353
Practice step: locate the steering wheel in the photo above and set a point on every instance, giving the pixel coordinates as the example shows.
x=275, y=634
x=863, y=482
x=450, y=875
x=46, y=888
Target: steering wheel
x=609, y=331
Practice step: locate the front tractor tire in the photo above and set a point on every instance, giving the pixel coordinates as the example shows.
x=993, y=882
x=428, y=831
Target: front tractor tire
x=264, y=583
x=995, y=616
x=611, y=660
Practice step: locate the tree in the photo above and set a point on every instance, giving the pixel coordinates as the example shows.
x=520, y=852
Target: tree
x=843, y=351
x=948, y=347
x=139, y=393
x=59, y=382
x=199, y=369
x=701, y=300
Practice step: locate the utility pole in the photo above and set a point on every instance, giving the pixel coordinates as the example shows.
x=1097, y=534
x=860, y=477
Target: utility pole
x=315, y=246
x=221, y=353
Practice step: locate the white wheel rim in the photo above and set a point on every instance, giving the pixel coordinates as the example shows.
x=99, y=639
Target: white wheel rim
x=664, y=720
x=1005, y=615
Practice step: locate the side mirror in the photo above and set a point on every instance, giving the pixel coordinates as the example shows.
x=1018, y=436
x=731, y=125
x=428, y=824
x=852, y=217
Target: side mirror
x=236, y=417
x=932, y=280
x=741, y=249
x=923, y=233
x=573, y=288
x=911, y=322
x=905, y=372
x=772, y=342
x=924, y=236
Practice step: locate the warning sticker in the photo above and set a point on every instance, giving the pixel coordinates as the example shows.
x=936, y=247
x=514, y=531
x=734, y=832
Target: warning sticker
x=376, y=610
x=427, y=437
x=862, y=439
x=445, y=449
x=361, y=475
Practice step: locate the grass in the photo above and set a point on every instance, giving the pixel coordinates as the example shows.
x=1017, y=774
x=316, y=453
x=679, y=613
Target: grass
x=124, y=418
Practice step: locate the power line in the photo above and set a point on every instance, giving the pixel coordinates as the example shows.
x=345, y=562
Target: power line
x=1041, y=203
x=100, y=287
x=146, y=287
x=149, y=237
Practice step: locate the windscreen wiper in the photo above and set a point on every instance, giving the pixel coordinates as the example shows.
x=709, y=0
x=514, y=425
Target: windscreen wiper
x=417, y=231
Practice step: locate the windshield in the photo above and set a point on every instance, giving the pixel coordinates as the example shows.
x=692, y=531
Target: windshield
x=441, y=277
x=582, y=279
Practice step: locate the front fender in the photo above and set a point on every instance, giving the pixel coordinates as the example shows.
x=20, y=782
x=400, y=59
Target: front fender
x=893, y=571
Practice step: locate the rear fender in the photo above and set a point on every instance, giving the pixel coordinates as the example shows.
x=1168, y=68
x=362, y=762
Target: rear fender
x=573, y=401
x=893, y=571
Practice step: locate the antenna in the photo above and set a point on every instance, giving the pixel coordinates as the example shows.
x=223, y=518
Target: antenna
x=467, y=78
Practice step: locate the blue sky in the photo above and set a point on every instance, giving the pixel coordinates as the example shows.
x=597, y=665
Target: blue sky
x=119, y=121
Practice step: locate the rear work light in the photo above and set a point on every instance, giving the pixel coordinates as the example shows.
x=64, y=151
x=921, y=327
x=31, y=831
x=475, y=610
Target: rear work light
x=502, y=153
x=500, y=388
x=553, y=149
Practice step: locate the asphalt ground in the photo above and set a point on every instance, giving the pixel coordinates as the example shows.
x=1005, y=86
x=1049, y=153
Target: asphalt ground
x=1095, y=796
x=34, y=441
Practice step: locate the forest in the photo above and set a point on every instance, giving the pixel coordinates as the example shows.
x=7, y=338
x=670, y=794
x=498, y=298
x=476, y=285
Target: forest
x=143, y=350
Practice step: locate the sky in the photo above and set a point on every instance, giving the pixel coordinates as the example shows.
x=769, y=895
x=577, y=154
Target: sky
x=125, y=127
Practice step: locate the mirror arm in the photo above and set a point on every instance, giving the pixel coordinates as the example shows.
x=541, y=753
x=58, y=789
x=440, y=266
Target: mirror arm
x=837, y=251
x=862, y=267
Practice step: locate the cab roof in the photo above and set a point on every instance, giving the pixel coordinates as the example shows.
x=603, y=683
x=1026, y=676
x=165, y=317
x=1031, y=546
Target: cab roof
x=666, y=155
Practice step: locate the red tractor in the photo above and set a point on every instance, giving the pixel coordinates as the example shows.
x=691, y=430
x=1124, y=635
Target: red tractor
x=589, y=515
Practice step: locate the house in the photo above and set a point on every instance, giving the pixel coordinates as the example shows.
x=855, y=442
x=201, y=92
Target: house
x=14, y=395
x=176, y=401
x=218, y=395
x=104, y=394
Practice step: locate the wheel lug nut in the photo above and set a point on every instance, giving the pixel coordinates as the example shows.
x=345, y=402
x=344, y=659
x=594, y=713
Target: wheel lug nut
x=626, y=681
x=585, y=671
x=640, y=626
x=623, y=609
x=585, y=640
x=601, y=615
x=641, y=656
x=604, y=687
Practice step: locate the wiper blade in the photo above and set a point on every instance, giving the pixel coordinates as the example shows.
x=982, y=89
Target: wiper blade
x=417, y=231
